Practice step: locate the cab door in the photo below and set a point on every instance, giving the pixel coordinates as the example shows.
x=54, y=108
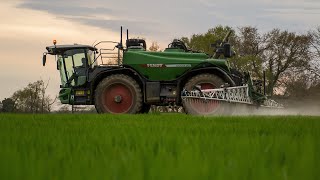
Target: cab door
x=76, y=66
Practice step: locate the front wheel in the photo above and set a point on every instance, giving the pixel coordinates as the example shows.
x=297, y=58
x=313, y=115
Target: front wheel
x=118, y=94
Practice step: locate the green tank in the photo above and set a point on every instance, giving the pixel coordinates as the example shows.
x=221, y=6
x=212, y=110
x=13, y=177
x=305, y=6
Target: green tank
x=168, y=65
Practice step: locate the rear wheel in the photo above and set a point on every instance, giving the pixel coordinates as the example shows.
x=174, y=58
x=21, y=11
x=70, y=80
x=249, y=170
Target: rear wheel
x=199, y=106
x=118, y=94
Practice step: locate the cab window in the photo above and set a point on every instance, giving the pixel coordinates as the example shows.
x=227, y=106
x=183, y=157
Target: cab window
x=72, y=61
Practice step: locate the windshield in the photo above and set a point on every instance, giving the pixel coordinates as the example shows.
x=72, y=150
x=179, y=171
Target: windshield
x=68, y=62
x=62, y=71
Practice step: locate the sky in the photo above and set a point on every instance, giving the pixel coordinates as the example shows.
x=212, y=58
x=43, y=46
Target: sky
x=28, y=26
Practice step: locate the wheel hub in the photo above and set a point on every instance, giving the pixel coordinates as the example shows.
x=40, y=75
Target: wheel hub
x=118, y=99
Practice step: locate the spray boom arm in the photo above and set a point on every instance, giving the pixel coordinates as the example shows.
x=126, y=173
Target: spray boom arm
x=226, y=38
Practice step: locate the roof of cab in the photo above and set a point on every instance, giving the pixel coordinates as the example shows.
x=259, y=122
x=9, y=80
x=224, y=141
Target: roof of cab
x=61, y=48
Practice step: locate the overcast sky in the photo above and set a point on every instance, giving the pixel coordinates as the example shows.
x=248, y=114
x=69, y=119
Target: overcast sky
x=28, y=26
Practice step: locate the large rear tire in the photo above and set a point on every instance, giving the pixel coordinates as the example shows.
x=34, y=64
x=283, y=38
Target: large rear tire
x=118, y=94
x=202, y=107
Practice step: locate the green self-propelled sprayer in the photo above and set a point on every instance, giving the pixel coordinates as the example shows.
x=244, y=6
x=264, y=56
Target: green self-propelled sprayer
x=129, y=79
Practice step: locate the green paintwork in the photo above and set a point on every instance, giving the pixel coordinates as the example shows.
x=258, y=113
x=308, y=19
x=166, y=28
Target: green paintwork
x=64, y=95
x=149, y=64
x=256, y=97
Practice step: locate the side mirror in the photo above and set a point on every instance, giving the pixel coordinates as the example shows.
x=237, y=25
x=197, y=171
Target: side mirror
x=227, y=50
x=44, y=59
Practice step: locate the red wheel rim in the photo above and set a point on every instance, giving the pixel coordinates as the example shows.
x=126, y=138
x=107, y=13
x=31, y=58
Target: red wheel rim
x=202, y=106
x=118, y=98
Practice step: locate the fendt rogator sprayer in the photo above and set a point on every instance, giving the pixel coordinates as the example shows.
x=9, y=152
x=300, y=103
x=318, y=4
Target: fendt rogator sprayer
x=138, y=78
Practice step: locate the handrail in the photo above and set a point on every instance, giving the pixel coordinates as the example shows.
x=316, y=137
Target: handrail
x=105, y=42
x=102, y=51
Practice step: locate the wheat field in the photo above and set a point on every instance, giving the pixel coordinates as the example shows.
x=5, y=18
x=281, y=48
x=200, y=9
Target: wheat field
x=159, y=146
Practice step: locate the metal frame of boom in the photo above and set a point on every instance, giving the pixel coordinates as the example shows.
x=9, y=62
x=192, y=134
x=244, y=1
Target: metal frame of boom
x=239, y=94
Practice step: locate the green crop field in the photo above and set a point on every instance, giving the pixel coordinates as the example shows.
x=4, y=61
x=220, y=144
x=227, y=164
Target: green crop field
x=158, y=147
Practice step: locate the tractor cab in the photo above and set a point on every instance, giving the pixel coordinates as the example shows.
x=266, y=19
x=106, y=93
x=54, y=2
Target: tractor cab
x=73, y=62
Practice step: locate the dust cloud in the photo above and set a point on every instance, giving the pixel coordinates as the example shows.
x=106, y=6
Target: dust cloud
x=303, y=109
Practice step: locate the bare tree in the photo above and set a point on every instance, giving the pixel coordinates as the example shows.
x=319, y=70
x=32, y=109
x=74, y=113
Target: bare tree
x=315, y=51
x=154, y=47
x=33, y=98
x=286, y=52
x=277, y=52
